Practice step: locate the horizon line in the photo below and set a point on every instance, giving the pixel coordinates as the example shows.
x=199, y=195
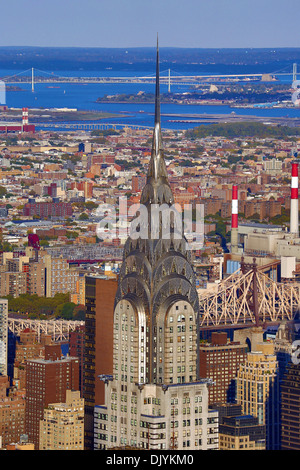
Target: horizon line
x=152, y=47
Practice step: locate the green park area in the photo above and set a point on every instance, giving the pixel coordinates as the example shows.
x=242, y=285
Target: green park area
x=46, y=308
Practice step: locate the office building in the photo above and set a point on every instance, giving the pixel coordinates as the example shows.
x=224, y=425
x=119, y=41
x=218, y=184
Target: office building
x=3, y=335
x=258, y=390
x=154, y=398
x=63, y=425
x=290, y=408
x=76, y=349
x=238, y=431
x=98, y=347
x=283, y=345
x=241, y=433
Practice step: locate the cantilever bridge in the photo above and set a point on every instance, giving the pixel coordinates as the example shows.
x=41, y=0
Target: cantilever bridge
x=249, y=297
x=58, y=329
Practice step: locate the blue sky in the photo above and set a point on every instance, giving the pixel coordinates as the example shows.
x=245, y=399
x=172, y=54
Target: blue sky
x=132, y=23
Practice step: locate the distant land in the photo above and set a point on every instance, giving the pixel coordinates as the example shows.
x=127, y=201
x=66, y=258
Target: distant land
x=208, y=60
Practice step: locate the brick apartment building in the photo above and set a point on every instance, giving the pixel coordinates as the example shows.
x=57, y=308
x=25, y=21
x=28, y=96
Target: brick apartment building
x=100, y=295
x=47, y=209
x=28, y=347
x=85, y=186
x=219, y=360
x=76, y=349
x=47, y=381
x=12, y=414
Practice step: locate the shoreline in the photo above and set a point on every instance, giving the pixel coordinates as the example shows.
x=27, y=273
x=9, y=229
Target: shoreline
x=230, y=104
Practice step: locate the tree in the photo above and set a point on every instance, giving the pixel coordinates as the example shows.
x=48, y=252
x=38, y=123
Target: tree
x=3, y=191
x=83, y=216
x=65, y=310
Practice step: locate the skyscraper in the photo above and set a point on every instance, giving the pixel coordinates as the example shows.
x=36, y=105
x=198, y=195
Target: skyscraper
x=258, y=390
x=3, y=335
x=290, y=416
x=154, y=399
x=98, y=348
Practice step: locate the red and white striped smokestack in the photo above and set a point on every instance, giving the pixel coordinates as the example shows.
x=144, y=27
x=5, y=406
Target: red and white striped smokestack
x=294, y=214
x=234, y=220
x=234, y=207
x=25, y=116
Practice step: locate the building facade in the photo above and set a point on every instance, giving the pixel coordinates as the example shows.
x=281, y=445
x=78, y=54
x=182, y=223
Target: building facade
x=290, y=406
x=154, y=398
x=63, y=425
x=27, y=347
x=258, y=390
x=47, y=209
x=238, y=431
x=3, y=335
x=59, y=276
x=219, y=360
x=98, y=347
x=47, y=381
x=12, y=413
x=76, y=349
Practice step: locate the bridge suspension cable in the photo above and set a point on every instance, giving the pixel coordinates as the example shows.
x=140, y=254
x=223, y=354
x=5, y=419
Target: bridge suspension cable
x=35, y=75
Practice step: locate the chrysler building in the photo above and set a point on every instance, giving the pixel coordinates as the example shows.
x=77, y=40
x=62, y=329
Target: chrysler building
x=154, y=398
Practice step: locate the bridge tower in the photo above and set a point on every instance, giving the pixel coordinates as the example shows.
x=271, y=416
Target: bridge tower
x=32, y=80
x=294, y=72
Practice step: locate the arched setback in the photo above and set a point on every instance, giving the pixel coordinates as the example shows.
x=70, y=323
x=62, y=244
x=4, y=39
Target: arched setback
x=249, y=336
x=176, y=344
x=129, y=365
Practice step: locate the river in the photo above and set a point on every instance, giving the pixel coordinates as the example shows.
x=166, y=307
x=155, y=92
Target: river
x=84, y=97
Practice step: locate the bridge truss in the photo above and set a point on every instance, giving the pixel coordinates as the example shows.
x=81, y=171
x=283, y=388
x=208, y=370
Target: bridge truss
x=249, y=297
x=58, y=329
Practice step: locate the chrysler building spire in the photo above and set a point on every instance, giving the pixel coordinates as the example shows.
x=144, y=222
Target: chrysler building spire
x=157, y=189
x=156, y=278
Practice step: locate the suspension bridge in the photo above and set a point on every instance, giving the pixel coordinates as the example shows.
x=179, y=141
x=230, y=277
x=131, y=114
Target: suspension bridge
x=167, y=77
